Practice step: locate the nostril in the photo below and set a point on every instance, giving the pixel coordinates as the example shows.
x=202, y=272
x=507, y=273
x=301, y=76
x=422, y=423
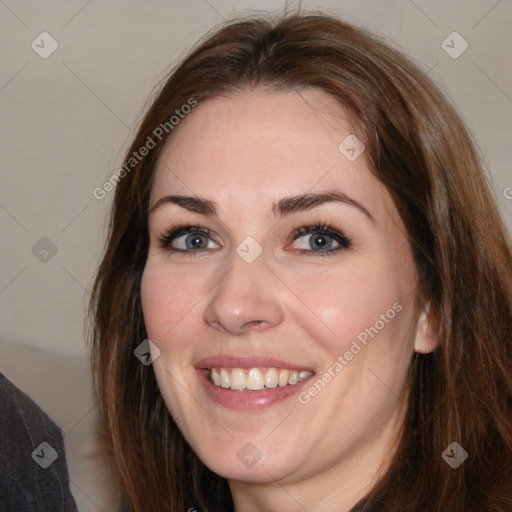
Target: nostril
x=254, y=324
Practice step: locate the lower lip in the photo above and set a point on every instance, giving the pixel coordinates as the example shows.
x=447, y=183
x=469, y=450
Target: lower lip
x=248, y=400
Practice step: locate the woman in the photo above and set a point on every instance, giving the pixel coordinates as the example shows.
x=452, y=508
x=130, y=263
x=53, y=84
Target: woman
x=304, y=246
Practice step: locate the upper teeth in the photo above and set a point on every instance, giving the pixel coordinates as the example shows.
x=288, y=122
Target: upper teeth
x=256, y=378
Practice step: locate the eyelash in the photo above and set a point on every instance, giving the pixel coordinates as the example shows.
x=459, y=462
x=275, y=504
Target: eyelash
x=174, y=231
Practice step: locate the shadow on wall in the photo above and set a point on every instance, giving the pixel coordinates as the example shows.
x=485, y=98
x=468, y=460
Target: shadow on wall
x=62, y=386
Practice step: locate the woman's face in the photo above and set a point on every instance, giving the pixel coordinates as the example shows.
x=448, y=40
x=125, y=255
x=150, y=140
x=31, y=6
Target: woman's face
x=307, y=335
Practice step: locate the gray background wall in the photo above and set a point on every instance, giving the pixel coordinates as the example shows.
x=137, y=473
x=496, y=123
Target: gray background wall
x=66, y=120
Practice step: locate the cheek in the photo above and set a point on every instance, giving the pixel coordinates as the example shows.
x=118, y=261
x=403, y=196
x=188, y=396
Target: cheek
x=167, y=297
x=155, y=302
x=363, y=304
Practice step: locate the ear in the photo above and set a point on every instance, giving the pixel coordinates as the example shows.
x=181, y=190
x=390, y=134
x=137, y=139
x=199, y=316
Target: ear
x=425, y=340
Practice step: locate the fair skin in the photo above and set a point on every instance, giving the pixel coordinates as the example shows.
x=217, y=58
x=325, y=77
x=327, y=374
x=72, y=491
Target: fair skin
x=245, y=152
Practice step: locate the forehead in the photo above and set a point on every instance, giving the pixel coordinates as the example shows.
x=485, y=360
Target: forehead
x=263, y=144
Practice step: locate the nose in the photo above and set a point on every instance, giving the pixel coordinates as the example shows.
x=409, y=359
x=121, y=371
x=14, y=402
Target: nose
x=246, y=298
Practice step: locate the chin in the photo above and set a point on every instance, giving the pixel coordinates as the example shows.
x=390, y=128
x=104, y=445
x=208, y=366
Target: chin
x=250, y=464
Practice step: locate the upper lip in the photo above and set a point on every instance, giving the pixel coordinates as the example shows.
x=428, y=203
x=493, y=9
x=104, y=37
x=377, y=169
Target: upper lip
x=227, y=361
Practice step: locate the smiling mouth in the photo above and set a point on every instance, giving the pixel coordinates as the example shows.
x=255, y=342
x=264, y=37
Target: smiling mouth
x=255, y=379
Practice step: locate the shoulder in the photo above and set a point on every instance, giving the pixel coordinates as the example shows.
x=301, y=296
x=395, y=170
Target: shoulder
x=33, y=470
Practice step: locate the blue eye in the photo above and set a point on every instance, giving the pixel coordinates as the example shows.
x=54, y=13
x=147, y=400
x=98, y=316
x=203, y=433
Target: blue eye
x=325, y=237
x=194, y=238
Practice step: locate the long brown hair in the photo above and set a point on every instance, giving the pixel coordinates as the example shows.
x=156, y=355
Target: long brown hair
x=420, y=150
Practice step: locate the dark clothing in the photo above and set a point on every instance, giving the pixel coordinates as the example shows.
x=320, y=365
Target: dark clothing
x=360, y=507
x=228, y=507
x=225, y=504
x=33, y=471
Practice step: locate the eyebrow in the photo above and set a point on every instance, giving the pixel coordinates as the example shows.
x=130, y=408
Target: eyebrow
x=285, y=206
